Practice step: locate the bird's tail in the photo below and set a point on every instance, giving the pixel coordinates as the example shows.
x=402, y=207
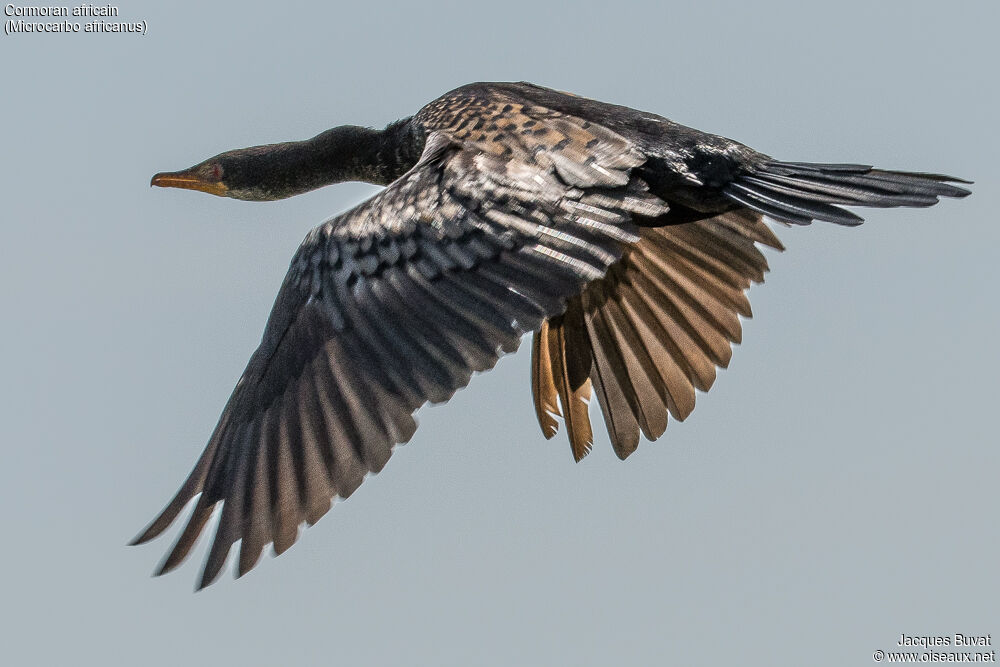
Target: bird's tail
x=799, y=192
x=664, y=318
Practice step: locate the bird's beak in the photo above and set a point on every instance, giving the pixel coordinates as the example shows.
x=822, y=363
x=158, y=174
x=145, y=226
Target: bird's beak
x=189, y=180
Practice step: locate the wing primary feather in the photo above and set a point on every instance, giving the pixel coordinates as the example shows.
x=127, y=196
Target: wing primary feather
x=317, y=491
x=348, y=469
x=230, y=523
x=220, y=478
x=257, y=518
x=314, y=418
x=646, y=400
x=378, y=416
x=285, y=506
x=685, y=309
x=543, y=387
x=367, y=429
x=394, y=412
x=623, y=430
x=293, y=432
x=570, y=358
x=643, y=375
x=680, y=395
x=192, y=486
x=673, y=329
x=196, y=523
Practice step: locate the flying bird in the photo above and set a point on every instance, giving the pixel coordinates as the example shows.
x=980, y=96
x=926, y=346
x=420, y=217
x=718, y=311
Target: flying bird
x=624, y=241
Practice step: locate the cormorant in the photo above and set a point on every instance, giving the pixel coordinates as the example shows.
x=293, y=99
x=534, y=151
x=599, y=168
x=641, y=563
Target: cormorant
x=626, y=242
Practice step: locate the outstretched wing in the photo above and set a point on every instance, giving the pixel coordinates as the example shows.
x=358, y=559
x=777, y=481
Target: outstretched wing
x=651, y=331
x=396, y=303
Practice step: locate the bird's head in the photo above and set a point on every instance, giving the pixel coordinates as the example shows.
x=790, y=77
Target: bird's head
x=260, y=173
x=276, y=171
x=207, y=176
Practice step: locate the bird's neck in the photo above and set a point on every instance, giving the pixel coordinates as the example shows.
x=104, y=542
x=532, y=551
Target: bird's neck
x=351, y=153
x=346, y=153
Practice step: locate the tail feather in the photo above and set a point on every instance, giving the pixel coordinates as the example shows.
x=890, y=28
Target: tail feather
x=799, y=192
x=800, y=207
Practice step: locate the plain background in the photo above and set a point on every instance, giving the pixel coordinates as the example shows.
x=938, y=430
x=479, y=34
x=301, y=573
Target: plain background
x=838, y=486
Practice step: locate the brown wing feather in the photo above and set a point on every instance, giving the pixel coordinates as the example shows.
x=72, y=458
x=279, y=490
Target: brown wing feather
x=665, y=316
x=543, y=384
x=570, y=361
x=619, y=417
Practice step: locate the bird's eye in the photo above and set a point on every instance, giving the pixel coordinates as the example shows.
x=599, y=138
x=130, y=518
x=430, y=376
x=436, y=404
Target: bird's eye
x=217, y=171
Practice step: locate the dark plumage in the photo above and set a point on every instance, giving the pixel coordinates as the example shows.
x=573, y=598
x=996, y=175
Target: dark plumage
x=625, y=241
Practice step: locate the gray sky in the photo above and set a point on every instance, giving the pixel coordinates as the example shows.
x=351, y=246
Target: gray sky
x=837, y=487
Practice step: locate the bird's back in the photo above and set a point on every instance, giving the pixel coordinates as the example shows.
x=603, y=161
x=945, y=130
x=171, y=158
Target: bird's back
x=683, y=165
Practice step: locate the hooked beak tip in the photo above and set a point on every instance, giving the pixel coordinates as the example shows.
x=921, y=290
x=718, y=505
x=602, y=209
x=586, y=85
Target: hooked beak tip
x=188, y=181
x=166, y=179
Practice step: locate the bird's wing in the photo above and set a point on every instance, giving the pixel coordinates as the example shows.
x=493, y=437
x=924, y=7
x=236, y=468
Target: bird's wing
x=396, y=303
x=651, y=331
x=664, y=318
